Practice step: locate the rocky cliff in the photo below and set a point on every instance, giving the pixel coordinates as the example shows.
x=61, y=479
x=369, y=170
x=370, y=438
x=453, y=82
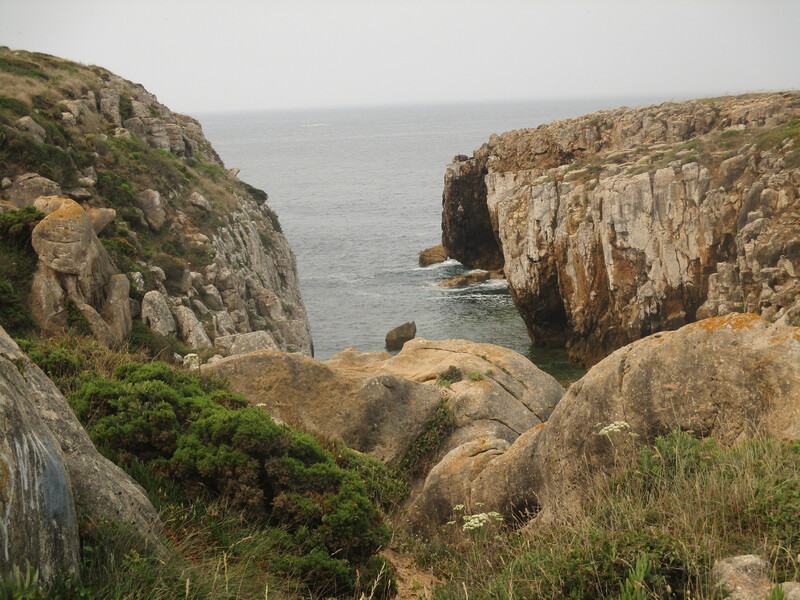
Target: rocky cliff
x=138, y=218
x=621, y=223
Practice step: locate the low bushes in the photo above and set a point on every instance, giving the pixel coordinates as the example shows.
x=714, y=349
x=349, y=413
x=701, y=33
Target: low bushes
x=194, y=432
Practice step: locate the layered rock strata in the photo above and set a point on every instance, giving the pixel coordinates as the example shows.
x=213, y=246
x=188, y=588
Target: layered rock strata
x=622, y=223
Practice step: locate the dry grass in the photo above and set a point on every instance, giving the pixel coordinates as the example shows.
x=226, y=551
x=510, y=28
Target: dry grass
x=683, y=506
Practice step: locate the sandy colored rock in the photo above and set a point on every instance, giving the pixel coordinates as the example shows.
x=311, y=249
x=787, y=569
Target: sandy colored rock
x=398, y=336
x=101, y=217
x=500, y=394
x=449, y=483
x=700, y=379
x=74, y=265
x=432, y=256
x=379, y=414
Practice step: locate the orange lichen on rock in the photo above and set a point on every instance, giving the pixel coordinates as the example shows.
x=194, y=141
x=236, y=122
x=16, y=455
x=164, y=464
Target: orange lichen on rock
x=735, y=321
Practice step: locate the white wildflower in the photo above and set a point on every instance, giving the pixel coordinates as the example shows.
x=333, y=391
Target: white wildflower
x=476, y=521
x=617, y=426
x=458, y=507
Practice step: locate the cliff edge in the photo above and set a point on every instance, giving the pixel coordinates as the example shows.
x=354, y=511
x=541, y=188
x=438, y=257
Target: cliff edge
x=622, y=223
x=117, y=213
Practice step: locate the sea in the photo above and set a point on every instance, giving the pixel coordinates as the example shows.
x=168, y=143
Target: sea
x=358, y=192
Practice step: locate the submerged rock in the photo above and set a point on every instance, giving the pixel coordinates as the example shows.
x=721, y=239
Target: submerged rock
x=432, y=256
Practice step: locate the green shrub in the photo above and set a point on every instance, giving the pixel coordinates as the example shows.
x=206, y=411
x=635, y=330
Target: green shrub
x=116, y=189
x=449, y=376
x=17, y=264
x=206, y=440
x=420, y=456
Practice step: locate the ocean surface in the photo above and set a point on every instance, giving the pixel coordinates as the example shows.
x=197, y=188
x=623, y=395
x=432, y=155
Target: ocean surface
x=359, y=192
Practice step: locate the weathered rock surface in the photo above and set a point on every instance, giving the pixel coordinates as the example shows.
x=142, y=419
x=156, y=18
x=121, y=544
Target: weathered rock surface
x=156, y=313
x=432, y=256
x=470, y=278
x=242, y=343
x=401, y=334
x=448, y=483
x=26, y=188
x=191, y=329
x=149, y=201
x=32, y=128
x=39, y=523
x=622, y=223
x=729, y=377
x=378, y=414
x=501, y=393
x=745, y=577
x=73, y=265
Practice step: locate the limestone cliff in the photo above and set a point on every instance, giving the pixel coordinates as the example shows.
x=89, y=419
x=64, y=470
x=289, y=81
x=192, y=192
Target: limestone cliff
x=621, y=223
x=141, y=219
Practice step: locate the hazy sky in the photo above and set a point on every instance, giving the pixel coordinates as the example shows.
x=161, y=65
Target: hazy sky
x=198, y=55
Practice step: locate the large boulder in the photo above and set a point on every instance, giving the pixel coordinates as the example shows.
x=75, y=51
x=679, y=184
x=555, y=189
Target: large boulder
x=26, y=188
x=379, y=414
x=729, y=377
x=73, y=265
x=39, y=523
x=156, y=313
x=500, y=393
x=448, y=483
x=400, y=335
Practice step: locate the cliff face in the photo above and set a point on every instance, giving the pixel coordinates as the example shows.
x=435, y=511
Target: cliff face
x=622, y=223
x=142, y=219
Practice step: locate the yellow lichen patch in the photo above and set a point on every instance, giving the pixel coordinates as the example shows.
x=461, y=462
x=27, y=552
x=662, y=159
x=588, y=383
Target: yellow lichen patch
x=734, y=321
x=539, y=426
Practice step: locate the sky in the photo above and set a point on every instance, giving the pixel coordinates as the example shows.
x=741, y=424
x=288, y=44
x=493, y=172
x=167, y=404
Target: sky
x=231, y=55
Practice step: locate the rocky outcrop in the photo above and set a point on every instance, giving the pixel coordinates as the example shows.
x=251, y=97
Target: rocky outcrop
x=29, y=186
x=729, y=377
x=52, y=477
x=379, y=414
x=380, y=404
x=470, y=278
x=432, y=256
x=167, y=210
x=622, y=223
x=74, y=266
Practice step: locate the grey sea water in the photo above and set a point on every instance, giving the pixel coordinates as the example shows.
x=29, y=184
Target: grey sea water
x=358, y=192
